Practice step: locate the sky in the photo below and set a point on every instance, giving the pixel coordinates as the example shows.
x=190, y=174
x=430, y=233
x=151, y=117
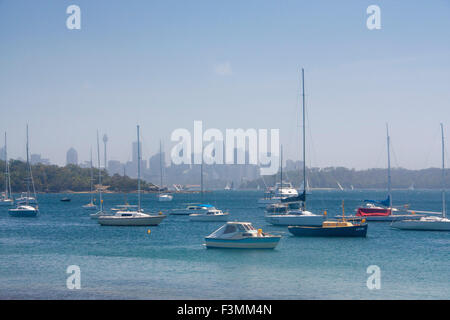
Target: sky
x=231, y=64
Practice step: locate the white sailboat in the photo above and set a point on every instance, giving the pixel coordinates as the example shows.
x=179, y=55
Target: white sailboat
x=6, y=197
x=298, y=217
x=162, y=197
x=26, y=209
x=91, y=205
x=130, y=217
x=100, y=187
x=429, y=223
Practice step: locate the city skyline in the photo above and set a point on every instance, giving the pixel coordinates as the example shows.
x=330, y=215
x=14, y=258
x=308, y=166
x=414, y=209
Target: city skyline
x=231, y=65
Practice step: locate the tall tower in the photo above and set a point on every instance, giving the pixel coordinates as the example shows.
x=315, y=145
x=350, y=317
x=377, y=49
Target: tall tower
x=105, y=140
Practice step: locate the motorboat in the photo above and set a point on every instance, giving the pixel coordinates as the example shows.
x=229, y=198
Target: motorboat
x=241, y=235
x=192, y=208
x=164, y=197
x=65, y=199
x=131, y=218
x=23, y=211
x=209, y=216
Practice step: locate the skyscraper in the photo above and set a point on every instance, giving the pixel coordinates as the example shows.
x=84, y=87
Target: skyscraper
x=72, y=156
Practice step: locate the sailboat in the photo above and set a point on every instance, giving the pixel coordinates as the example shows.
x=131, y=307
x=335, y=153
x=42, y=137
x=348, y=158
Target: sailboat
x=297, y=217
x=91, y=205
x=281, y=190
x=6, y=198
x=137, y=217
x=100, y=187
x=383, y=210
x=27, y=209
x=162, y=196
x=430, y=223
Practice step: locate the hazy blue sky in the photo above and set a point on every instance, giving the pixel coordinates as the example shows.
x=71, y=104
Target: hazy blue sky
x=232, y=64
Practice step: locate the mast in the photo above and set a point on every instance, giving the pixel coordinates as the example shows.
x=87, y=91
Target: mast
x=92, y=180
x=304, y=139
x=281, y=169
x=443, y=172
x=99, y=174
x=389, y=165
x=160, y=165
x=6, y=171
x=201, y=177
x=139, y=170
x=28, y=178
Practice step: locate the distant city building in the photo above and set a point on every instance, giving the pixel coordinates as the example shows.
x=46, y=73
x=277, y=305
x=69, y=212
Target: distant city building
x=115, y=167
x=37, y=159
x=72, y=156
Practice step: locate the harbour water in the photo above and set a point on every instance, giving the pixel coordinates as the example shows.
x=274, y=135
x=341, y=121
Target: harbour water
x=171, y=262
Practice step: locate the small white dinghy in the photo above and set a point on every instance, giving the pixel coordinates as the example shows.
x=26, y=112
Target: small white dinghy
x=241, y=235
x=211, y=215
x=164, y=197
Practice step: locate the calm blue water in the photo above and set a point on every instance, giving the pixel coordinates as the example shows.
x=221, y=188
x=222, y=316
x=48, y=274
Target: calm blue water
x=171, y=262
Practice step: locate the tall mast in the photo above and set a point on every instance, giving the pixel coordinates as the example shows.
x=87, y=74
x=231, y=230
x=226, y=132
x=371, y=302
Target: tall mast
x=6, y=171
x=139, y=171
x=28, y=178
x=304, y=138
x=443, y=172
x=99, y=174
x=201, y=176
x=389, y=165
x=281, y=169
x=160, y=165
x=92, y=180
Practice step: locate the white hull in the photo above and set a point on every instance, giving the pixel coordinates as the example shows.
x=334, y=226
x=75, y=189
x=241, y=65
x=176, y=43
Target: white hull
x=241, y=245
x=90, y=207
x=443, y=225
x=390, y=218
x=23, y=211
x=208, y=218
x=295, y=220
x=165, y=198
x=131, y=221
x=6, y=203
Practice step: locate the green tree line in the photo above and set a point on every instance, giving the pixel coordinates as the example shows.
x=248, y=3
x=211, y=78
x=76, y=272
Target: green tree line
x=430, y=178
x=53, y=179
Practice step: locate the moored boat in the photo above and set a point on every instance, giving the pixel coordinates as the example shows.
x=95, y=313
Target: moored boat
x=241, y=235
x=209, y=216
x=331, y=229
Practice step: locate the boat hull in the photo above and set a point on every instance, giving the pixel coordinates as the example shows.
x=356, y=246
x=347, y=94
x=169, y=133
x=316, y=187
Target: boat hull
x=6, y=203
x=135, y=221
x=208, y=218
x=351, y=231
x=390, y=218
x=22, y=213
x=246, y=243
x=421, y=225
x=295, y=220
